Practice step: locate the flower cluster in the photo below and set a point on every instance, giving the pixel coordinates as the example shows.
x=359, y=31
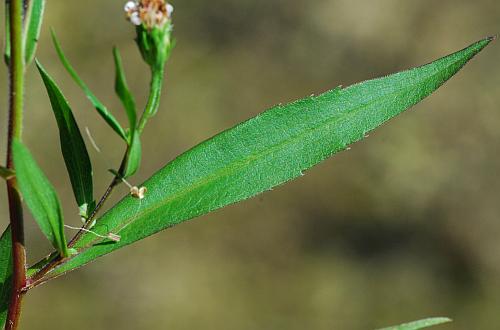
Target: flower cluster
x=153, y=21
x=151, y=13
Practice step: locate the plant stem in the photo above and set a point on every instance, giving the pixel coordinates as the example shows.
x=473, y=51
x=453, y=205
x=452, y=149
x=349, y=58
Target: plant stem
x=16, y=70
x=39, y=277
x=157, y=76
x=98, y=207
x=153, y=99
x=149, y=111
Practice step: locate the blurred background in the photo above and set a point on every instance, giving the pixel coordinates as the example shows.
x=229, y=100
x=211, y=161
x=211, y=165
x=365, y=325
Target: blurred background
x=403, y=226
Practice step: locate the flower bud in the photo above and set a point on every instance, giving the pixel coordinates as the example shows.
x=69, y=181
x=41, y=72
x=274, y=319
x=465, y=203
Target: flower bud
x=153, y=21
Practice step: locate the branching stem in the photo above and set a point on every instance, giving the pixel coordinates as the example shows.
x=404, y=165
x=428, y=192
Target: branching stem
x=16, y=71
x=149, y=111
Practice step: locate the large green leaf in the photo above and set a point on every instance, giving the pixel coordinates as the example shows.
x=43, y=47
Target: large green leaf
x=263, y=152
x=5, y=273
x=421, y=324
x=32, y=27
x=40, y=196
x=100, y=107
x=73, y=147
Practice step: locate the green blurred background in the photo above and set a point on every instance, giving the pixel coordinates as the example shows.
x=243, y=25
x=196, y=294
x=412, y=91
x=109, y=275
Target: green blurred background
x=403, y=226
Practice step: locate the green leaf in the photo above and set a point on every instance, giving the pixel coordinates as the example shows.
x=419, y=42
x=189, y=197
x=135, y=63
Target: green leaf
x=264, y=152
x=73, y=146
x=32, y=27
x=40, y=196
x=416, y=325
x=5, y=273
x=5, y=173
x=100, y=107
x=134, y=155
x=123, y=92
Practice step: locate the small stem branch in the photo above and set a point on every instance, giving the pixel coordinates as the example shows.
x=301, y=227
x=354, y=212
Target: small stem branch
x=157, y=77
x=98, y=207
x=116, y=181
x=39, y=277
x=16, y=70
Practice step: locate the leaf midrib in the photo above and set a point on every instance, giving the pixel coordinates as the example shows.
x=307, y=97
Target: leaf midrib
x=80, y=175
x=231, y=168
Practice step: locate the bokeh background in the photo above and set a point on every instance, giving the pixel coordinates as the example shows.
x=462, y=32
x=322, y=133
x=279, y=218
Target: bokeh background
x=403, y=226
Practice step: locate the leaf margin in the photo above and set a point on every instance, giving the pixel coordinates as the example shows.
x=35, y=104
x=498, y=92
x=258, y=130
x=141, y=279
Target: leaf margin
x=74, y=150
x=5, y=273
x=420, y=324
x=105, y=248
x=98, y=105
x=51, y=224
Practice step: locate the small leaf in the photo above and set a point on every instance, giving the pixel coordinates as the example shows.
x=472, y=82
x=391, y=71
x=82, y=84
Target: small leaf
x=123, y=92
x=5, y=173
x=32, y=27
x=101, y=108
x=263, y=152
x=5, y=273
x=421, y=324
x=134, y=155
x=134, y=152
x=73, y=147
x=40, y=196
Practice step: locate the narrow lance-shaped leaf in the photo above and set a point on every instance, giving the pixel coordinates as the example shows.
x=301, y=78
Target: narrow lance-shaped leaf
x=100, y=107
x=121, y=87
x=263, y=152
x=134, y=155
x=5, y=273
x=32, y=27
x=421, y=324
x=123, y=92
x=40, y=196
x=73, y=147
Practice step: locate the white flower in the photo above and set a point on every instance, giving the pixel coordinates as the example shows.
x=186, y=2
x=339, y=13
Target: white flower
x=131, y=6
x=135, y=18
x=151, y=13
x=170, y=10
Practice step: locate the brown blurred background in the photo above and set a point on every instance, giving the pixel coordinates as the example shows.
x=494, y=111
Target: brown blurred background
x=403, y=226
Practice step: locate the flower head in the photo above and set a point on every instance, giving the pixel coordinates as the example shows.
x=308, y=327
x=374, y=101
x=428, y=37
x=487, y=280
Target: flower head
x=151, y=13
x=153, y=21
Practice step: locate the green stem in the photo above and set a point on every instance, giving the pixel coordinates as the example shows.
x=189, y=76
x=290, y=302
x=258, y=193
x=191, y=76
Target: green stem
x=55, y=259
x=157, y=77
x=16, y=70
x=154, y=98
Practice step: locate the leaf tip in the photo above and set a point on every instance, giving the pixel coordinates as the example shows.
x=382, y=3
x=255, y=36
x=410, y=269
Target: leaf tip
x=55, y=40
x=41, y=69
x=53, y=32
x=481, y=44
x=38, y=64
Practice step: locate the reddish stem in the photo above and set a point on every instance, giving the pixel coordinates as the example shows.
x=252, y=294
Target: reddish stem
x=16, y=70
